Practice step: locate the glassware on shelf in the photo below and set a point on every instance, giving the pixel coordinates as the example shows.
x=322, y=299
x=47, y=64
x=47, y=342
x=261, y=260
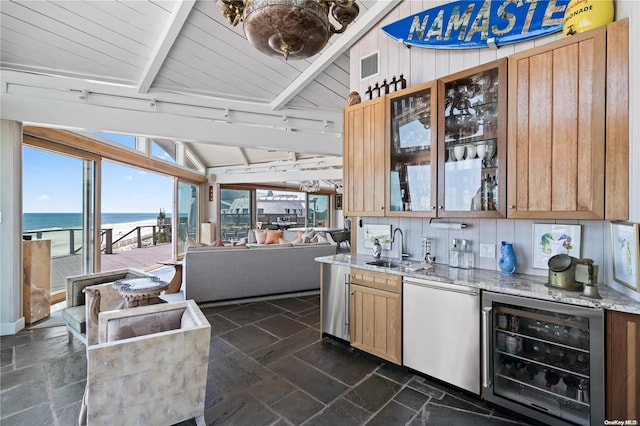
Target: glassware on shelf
x=471, y=152
x=413, y=154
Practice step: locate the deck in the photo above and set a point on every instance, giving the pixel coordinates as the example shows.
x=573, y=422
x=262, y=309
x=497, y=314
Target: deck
x=144, y=258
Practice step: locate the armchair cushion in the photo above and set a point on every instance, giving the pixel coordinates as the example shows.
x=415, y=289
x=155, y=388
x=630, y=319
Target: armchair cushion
x=75, y=314
x=140, y=325
x=75, y=318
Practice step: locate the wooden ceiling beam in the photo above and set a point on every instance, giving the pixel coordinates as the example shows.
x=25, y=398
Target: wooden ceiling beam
x=356, y=30
x=168, y=37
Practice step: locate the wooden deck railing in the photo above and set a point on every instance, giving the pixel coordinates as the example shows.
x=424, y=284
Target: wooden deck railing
x=106, y=238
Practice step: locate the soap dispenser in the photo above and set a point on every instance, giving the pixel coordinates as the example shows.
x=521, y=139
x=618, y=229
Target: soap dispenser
x=454, y=259
x=466, y=260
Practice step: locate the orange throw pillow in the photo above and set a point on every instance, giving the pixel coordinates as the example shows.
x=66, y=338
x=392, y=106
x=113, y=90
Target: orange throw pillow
x=273, y=237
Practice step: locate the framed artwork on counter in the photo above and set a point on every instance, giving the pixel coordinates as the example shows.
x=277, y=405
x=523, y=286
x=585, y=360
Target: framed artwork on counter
x=624, y=253
x=338, y=201
x=550, y=239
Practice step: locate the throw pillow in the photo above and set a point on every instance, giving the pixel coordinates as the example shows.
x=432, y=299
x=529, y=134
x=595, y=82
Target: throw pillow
x=306, y=235
x=261, y=235
x=190, y=242
x=273, y=237
x=320, y=238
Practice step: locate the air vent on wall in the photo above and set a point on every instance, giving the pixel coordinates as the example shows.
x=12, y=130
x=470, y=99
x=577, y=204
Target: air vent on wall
x=369, y=65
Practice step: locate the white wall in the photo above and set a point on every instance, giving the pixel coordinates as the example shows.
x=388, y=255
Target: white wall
x=11, y=319
x=419, y=65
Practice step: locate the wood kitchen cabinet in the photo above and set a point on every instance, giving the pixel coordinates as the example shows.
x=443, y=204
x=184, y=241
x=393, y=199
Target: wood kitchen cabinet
x=564, y=126
x=412, y=154
x=623, y=366
x=376, y=314
x=472, y=123
x=364, y=159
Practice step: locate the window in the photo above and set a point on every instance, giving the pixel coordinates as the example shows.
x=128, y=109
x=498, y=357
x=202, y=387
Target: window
x=280, y=209
x=274, y=209
x=235, y=216
x=163, y=149
x=188, y=213
x=126, y=140
x=318, y=210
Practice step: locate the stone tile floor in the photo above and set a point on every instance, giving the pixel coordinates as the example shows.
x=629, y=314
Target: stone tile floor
x=268, y=365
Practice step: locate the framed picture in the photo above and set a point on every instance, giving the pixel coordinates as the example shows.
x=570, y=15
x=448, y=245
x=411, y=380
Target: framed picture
x=624, y=248
x=338, y=201
x=382, y=233
x=550, y=239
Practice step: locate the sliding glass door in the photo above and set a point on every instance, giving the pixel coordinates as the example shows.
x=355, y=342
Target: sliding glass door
x=188, y=216
x=59, y=205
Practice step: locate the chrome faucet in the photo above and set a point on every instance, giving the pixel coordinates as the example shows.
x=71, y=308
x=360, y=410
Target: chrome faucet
x=400, y=246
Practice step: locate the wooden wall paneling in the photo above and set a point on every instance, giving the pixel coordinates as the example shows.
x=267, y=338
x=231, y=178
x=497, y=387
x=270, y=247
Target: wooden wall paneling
x=565, y=126
x=523, y=245
x=594, y=245
x=487, y=235
x=506, y=232
x=617, y=124
x=487, y=55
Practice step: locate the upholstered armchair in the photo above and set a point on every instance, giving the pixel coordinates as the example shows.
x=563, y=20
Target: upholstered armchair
x=89, y=294
x=149, y=366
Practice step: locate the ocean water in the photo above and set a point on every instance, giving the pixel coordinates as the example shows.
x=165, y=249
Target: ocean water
x=42, y=221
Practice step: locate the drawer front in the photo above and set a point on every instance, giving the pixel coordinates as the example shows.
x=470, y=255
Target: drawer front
x=378, y=280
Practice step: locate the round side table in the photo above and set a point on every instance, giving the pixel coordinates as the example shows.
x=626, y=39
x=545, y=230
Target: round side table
x=140, y=291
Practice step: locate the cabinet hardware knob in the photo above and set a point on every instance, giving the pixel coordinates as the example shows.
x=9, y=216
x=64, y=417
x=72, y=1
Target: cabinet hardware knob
x=511, y=206
x=433, y=207
x=441, y=207
x=352, y=293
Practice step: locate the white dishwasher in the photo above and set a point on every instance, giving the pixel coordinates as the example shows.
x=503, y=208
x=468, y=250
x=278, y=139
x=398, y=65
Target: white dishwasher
x=441, y=331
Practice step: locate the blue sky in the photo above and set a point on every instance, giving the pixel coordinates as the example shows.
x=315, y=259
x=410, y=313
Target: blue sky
x=52, y=183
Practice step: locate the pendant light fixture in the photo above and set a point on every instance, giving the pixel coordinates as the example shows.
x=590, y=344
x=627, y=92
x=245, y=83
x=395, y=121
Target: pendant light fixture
x=295, y=29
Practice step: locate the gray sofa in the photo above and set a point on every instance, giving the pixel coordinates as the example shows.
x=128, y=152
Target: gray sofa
x=214, y=274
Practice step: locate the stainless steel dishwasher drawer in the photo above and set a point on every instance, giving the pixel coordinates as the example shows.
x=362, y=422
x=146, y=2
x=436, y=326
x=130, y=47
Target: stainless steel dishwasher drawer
x=441, y=334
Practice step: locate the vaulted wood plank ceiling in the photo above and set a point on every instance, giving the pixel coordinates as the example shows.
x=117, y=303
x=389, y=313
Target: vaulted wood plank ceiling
x=174, y=70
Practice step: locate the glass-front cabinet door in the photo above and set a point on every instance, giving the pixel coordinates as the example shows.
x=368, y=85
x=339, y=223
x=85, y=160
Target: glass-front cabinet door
x=472, y=142
x=412, y=155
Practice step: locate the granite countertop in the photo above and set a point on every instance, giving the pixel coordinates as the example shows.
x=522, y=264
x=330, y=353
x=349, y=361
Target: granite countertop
x=518, y=284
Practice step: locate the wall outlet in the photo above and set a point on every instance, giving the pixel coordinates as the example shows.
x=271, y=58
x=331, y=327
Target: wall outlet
x=488, y=250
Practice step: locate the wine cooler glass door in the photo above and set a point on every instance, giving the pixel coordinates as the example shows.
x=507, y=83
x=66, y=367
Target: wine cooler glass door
x=546, y=359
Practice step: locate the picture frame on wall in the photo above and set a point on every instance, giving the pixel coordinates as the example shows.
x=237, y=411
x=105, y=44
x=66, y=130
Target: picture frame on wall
x=624, y=253
x=550, y=239
x=338, y=201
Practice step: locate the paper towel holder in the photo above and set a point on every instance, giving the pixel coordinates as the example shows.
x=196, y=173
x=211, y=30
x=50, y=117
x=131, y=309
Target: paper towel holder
x=447, y=225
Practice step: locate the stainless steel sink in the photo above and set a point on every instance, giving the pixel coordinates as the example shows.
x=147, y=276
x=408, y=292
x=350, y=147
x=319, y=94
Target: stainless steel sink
x=387, y=263
x=406, y=264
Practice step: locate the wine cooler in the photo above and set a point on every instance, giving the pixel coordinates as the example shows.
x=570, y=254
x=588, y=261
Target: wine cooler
x=544, y=359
